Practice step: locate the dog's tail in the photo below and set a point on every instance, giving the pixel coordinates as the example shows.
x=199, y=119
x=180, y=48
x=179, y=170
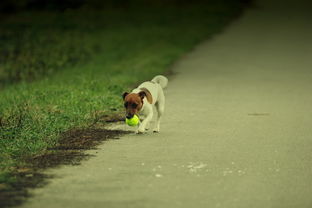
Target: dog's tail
x=161, y=80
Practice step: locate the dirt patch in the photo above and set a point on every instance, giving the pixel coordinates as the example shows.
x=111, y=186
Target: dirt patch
x=69, y=151
x=82, y=139
x=16, y=192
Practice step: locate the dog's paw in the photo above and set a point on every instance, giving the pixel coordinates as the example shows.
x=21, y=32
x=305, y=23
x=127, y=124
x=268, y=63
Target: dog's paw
x=147, y=127
x=156, y=130
x=140, y=131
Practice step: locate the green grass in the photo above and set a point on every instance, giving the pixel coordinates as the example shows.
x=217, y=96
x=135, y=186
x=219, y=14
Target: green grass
x=65, y=70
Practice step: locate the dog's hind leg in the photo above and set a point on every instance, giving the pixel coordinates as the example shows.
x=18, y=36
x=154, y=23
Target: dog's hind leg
x=147, y=127
x=160, y=107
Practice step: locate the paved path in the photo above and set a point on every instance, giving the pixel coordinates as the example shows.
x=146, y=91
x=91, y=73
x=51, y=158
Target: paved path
x=237, y=130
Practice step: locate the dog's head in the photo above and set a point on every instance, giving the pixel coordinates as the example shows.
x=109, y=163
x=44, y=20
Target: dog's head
x=133, y=103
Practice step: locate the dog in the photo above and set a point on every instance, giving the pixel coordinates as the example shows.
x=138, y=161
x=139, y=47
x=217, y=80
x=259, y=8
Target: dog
x=143, y=99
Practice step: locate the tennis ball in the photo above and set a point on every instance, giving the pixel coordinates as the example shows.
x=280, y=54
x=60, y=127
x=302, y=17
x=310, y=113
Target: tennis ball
x=133, y=121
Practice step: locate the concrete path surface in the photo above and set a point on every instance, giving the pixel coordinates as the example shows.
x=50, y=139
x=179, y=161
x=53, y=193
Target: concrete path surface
x=237, y=131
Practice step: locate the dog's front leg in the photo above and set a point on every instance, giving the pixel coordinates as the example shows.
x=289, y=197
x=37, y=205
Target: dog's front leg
x=145, y=122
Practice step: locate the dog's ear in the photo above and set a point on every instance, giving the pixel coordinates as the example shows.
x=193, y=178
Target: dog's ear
x=142, y=94
x=124, y=95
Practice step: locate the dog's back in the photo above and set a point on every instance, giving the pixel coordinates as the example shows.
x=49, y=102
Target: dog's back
x=155, y=87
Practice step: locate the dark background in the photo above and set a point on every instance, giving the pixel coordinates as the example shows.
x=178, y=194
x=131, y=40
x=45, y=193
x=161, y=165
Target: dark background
x=9, y=6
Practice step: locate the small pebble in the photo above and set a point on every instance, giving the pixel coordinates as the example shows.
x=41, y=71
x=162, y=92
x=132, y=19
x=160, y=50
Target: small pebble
x=158, y=175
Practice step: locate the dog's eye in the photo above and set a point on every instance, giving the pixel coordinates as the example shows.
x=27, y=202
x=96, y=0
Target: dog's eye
x=134, y=105
x=126, y=105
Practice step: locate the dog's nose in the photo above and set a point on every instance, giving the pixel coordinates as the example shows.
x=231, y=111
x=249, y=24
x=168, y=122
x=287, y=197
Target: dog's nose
x=129, y=116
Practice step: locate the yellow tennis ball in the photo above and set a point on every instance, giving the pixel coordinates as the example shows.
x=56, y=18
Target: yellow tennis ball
x=133, y=121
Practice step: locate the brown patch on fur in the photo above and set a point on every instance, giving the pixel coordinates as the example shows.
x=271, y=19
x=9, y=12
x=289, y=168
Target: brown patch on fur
x=147, y=94
x=133, y=103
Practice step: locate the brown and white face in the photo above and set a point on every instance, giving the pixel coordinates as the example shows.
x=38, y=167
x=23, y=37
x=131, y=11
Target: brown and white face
x=133, y=103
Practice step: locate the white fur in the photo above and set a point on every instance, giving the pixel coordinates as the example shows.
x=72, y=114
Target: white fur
x=155, y=87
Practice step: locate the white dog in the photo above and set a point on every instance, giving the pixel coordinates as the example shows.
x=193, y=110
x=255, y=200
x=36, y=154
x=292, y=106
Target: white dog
x=142, y=99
